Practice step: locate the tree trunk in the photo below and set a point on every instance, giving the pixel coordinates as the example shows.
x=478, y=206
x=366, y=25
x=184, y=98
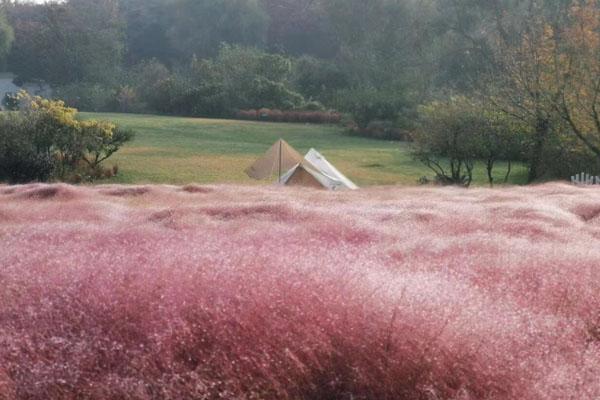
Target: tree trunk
x=508, y=171
x=490, y=169
x=542, y=129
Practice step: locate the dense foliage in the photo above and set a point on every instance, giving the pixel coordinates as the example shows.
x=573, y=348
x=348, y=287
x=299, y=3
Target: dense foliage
x=45, y=140
x=7, y=36
x=216, y=57
x=455, y=133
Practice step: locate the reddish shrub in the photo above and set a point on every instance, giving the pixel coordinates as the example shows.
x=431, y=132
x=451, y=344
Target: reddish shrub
x=276, y=116
x=247, y=114
x=335, y=118
x=264, y=114
x=316, y=117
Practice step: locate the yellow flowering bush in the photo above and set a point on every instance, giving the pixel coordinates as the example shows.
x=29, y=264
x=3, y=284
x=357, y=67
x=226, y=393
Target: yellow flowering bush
x=49, y=131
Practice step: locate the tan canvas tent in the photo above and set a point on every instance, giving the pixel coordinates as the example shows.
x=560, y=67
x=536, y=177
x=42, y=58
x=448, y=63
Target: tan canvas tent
x=305, y=176
x=280, y=158
x=316, y=171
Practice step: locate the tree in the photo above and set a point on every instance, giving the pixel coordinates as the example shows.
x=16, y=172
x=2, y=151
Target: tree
x=81, y=40
x=576, y=70
x=368, y=104
x=384, y=46
x=318, y=79
x=459, y=51
x=548, y=76
x=27, y=20
x=100, y=140
x=518, y=83
x=300, y=27
x=379, y=40
x=200, y=27
x=448, y=139
x=501, y=138
x=146, y=34
x=248, y=78
x=7, y=36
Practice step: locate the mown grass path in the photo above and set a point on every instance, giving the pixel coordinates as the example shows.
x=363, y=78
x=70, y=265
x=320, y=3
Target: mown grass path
x=191, y=150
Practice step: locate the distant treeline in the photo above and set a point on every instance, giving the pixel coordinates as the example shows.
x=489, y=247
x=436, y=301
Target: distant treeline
x=215, y=57
x=522, y=77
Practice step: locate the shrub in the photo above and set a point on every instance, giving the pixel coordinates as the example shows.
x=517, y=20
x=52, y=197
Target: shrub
x=269, y=115
x=209, y=100
x=11, y=101
x=563, y=156
x=292, y=116
x=146, y=77
x=312, y=106
x=385, y=130
x=335, y=117
x=169, y=97
x=455, y=132
x=23, y=153
x=276, y=116
x=318, y=79
x=247, y=114
x=88, y=96
x=100, y=140
x=237, y=78
x=46, y=140
x=240, y=78
x=20, y=163
x=370, y=104
x=127, y=100
x=269, y=93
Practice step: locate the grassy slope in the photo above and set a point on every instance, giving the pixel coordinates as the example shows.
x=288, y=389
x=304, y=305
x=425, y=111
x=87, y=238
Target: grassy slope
x=184, y=150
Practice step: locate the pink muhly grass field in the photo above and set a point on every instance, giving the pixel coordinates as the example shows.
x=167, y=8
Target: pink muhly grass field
x=229, y=292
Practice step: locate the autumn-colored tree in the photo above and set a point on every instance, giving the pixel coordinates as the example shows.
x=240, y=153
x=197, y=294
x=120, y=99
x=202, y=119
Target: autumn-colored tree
x=576, y=67
x=521, y=80
x=550, y=75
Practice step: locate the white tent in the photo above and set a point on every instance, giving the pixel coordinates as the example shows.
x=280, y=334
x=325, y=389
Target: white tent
x=316, y=171
x=317, y=159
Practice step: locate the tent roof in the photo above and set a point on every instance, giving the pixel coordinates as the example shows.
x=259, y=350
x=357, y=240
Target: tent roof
x=319, y=161
x=279, y=158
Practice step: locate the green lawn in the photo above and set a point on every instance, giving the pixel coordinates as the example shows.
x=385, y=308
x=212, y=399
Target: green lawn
x=189, y=150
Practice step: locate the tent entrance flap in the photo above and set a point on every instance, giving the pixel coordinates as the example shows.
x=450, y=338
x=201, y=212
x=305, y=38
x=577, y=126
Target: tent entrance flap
x=279, y=158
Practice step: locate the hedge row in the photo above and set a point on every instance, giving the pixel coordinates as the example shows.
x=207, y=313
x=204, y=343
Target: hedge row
x=315, y=117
